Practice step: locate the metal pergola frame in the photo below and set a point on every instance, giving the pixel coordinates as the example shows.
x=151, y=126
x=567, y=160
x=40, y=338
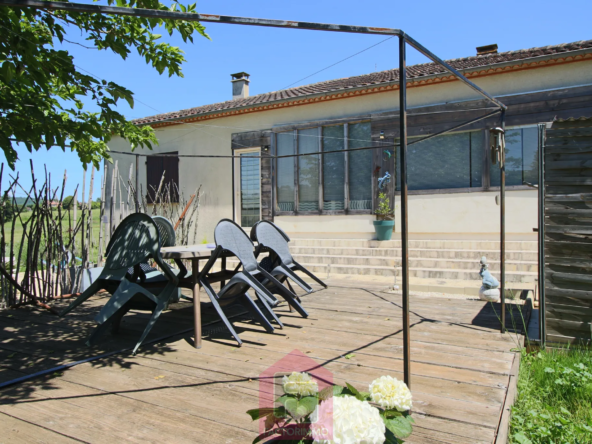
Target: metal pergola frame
x=404, y=39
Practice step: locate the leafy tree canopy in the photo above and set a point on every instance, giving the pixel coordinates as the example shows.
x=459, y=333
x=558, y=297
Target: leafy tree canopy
x=42, y=91
x=67, y=202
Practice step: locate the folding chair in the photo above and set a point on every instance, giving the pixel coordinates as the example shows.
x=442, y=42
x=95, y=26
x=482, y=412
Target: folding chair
x=231, y=239
x=273, y=239
x=135, y=240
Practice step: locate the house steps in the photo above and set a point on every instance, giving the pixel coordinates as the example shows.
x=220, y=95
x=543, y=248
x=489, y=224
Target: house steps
x=446, y=266
x=451, y=260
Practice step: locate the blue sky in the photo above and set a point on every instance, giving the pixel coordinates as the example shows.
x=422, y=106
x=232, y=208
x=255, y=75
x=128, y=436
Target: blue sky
x=276, y=58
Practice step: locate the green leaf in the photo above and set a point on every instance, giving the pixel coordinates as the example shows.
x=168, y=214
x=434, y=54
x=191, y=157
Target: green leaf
x=337, y=390
x=262, y=436
x=354, y=391
x=399, y=426
x=309, y=403
x=260, y=413
x=390, y=438
x=282, y=399
x=291, y=405
x=364, y=396
x=349, y=356
x=521, y=438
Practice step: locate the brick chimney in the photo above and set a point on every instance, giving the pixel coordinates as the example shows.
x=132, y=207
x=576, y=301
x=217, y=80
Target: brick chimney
x=240, y=85
x=487, y=49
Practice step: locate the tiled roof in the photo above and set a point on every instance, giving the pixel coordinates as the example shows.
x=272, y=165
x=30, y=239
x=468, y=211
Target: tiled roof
x=376, y=78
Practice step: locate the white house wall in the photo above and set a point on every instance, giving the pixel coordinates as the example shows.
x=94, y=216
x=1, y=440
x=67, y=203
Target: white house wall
x=437, y=215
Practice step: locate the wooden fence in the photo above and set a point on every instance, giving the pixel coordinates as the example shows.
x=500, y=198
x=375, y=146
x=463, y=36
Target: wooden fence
x=568, y=231
x=46, y=240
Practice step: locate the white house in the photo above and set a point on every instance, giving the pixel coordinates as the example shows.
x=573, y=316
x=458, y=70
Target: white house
x=451, y=180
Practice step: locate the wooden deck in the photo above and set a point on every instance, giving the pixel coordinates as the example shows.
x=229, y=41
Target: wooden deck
x=171, y=392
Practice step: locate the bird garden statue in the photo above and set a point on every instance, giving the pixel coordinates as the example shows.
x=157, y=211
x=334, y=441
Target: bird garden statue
x=488, y=291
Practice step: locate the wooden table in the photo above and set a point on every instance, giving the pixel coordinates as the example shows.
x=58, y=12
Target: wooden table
x=194, y=253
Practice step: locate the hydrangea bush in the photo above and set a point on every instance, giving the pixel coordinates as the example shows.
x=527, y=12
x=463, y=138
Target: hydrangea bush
x=337, y=414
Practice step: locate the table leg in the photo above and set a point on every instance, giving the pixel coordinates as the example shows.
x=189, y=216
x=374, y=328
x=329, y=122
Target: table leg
x=196, y=303
x=222, y=283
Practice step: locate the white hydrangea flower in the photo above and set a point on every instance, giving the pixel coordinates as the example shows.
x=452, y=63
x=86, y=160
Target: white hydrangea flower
x=347, y=420
x=300, y=384
x=390, y=393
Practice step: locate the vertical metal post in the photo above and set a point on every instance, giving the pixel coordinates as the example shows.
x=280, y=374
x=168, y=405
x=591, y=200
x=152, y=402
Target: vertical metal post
x=233, y=189
x=404, y=225
x=542, y=327
x=503, y=229
x=137, y=183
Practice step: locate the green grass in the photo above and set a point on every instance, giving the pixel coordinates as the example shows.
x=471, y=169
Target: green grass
x=18, y=233
x=554, y=403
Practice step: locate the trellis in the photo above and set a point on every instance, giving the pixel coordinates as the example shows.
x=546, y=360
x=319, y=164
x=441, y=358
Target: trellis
x=404, y=40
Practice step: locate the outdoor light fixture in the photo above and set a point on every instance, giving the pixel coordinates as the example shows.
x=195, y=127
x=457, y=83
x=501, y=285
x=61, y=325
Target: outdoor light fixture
x=381, y=134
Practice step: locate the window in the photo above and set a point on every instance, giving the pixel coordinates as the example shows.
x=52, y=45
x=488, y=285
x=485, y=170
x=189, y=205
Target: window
x=156, y=166
x=308, y=170
x=447, y=161
x=250, y=196
x=521, y=158
x=285, y=171
x=332, y=169
x=360, y=167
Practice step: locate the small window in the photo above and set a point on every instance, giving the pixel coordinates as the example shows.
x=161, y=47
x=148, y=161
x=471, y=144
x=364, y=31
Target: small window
x=156, y=166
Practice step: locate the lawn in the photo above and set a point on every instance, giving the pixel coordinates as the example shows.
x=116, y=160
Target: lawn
x=554, y=403
x=18, y=232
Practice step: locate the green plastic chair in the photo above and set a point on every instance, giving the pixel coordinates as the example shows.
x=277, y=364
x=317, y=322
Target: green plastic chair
x=135, y=240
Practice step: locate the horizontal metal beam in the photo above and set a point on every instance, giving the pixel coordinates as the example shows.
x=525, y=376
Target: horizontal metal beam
x=430, y=55
x=287, y=24
x=196, y=17
x=448, y=130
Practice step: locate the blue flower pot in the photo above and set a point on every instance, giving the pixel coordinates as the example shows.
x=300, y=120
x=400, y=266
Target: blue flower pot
x=384, y=229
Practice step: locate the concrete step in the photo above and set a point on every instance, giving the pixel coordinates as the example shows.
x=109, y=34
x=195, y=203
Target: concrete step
x=325, y=270
x=472, y=276
x=419, y=253
x=452, y=264
x=448, y=286
x=423, y=244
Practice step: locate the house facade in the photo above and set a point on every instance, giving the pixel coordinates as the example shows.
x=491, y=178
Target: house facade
x=453, y=183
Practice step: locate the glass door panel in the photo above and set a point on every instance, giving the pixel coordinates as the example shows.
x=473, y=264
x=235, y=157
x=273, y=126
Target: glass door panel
x=250, y=188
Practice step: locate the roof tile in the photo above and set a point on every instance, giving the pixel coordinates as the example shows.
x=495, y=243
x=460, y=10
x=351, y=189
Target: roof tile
x=392, y=75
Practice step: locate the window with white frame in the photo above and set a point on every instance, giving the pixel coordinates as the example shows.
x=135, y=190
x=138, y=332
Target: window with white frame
x=336, y=180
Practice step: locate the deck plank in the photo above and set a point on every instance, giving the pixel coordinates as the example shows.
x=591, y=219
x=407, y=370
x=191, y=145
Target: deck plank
x=460, y=368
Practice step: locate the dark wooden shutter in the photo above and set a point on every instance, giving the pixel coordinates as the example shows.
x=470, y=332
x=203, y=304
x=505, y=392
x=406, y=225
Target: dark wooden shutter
x=170, y=166
x=155, y=167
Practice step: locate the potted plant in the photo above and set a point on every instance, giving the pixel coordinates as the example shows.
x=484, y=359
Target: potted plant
x=385, y=218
